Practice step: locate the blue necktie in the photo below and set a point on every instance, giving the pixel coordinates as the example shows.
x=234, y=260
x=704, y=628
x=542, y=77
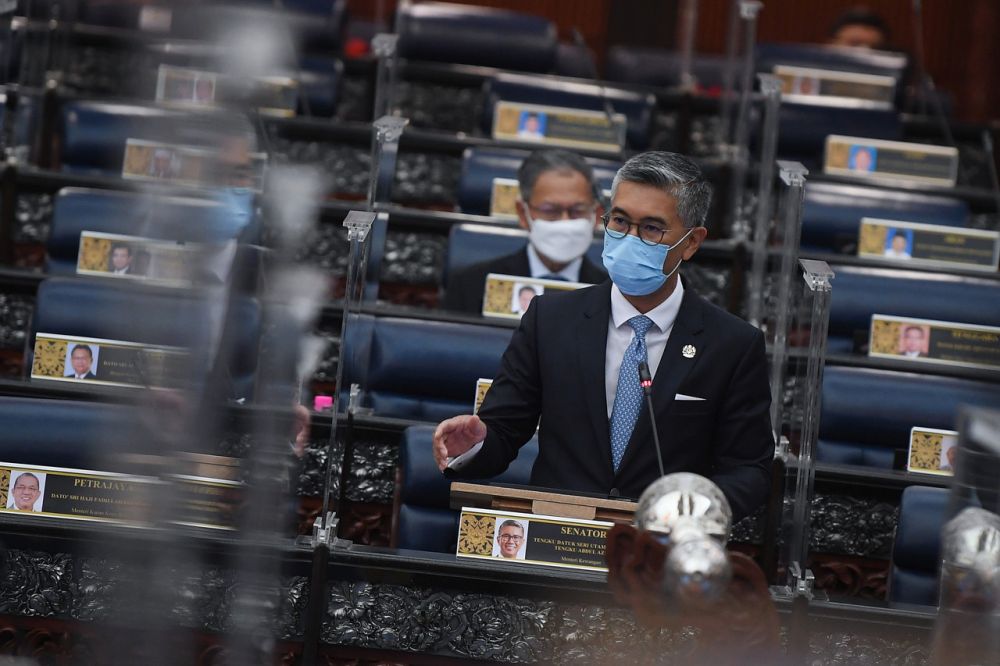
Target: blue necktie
x=628, y=398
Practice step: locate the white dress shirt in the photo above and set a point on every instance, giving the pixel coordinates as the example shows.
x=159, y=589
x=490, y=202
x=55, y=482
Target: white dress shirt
x=620, y=335
x=571, y=271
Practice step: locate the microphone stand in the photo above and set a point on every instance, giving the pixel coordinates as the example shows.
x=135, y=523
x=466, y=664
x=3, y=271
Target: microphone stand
x=646, y=382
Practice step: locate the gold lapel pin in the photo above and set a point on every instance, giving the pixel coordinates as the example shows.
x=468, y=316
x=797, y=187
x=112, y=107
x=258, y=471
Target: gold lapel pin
x=689, y=351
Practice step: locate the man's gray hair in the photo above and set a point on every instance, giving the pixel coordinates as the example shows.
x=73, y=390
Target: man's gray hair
x=511, y=523
x=541, y=161
x=676, y=175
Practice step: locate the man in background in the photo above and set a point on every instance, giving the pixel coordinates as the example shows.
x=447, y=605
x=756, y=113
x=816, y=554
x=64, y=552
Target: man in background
x=559, y=209
x=860, y=27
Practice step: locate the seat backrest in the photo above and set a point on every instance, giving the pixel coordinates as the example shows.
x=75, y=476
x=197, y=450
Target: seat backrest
x=319, y=84
x=67, y=433
x=424, y=520
x=916, y=551
x=804, y=128
x=660, y=67
x=861, y=292
x=447, y=32
x=420, y=369
x=867, y=414
x=153, y=316
x=186, y=219
x=635, y=106
x=480, y=166
x=832, y=212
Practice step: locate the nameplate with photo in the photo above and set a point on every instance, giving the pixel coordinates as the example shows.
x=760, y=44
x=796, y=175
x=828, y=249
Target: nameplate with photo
x=482, y=386
x=508, y=296
x=891, y=161
x=558, y=126
x=136, y=258
x=820, y=86
x=183, y=86
x=73, y=493
x=164, y=162
x=532, y=539
x=929, y=341
x=100, y=362
x=932, y=451
x=931, y=245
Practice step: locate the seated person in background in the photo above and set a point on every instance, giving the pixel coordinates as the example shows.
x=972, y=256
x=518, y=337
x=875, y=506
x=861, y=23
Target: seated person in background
x=860, y=27
x=573, y=365
x=559, y=208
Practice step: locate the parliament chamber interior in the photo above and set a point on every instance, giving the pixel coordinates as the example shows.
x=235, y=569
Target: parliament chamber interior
x=305, y=307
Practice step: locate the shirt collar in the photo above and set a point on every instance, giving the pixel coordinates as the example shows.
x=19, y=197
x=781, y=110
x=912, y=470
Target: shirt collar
x=663, y=315
x=571, y=271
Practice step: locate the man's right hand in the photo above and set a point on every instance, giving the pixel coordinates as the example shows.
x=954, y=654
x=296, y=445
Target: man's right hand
x=455, y=436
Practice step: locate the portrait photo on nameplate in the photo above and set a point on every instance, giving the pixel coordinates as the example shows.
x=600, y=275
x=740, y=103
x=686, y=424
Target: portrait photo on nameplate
x=932, y=451
x=558, y=126
x=820, y=86
x=73, y=493
x=508, y=296
x=931, y=245
x=532, y=539
x=930, y=341
x=181, y=86
x=891, y=161
x=102, y=362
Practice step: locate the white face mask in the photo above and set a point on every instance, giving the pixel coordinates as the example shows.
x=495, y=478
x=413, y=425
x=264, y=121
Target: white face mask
x=561, y=241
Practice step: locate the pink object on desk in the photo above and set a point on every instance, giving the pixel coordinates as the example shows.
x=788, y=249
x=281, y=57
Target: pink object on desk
x=322, y=403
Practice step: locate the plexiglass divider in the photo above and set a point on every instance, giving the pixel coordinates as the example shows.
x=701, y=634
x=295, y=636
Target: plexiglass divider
x=770, y=88
x=739, y=150
x=729, y=75
x=688, y=24
x=809, y=316
x=967, y=630
x=384, y=47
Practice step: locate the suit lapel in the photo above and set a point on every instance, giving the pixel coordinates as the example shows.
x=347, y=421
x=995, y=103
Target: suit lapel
x=674, y=367
x=592, y=342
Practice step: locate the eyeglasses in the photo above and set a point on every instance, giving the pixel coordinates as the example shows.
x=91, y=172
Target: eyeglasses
x=617, y=226
x=553, y=213
x=509, y=538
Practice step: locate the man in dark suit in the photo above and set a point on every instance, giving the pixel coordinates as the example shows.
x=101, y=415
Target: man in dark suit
x=573, y=364
x=81, y=358
x=559, y=210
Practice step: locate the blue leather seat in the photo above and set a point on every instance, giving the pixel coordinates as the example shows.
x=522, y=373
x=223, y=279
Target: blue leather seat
x=446, y=32
x=156, y=317
x=916, y=551
x=635, y=106
x=804, y=128
x=481, y=165
x=419, y=369
x=470, y=244
x=861, y=292
x=319, y=83
x=67, y=433
x=867, y=414
x=424, y=520
x=660, y=67
x=832, y=212
x=80, y=209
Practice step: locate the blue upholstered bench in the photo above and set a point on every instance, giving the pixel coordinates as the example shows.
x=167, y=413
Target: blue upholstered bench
x=423, y=519
x=867, y=414
x=660, y=67
x=916, y=551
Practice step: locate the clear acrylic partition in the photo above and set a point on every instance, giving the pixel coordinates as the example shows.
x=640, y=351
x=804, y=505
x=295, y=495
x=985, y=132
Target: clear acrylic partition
x=386, y=133
x=770, y=88
x=384, y=48
x=687, y=30
x=729, y=75
x=968, y=623
x=739, y=149
x=808, y=317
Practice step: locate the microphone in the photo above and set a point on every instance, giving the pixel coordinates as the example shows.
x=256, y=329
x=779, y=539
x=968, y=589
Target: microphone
x=646, y=382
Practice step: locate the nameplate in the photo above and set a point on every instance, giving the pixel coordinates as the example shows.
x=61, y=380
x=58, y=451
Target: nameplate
x=169, y=263
x=932, y=245
x=89, y=495
x=819, y=86
x=155, y=19
x=504, y=195
x=164, y=162
x=276, y=96
x=932, y=451
x=532, y=539
x=558, y=126
x=929, y=341
x=185, y=87
x=100, y=362
x=482, y=386
x=891, y=161
x=508, y=296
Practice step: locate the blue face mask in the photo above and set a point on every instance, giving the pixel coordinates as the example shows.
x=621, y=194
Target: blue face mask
x=637, y=267
x=238, y=202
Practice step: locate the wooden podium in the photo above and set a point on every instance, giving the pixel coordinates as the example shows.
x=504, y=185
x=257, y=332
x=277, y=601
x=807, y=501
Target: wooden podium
x=541, y=502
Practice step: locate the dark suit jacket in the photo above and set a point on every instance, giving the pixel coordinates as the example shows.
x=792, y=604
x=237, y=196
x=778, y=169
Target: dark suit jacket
x=554, y=370
x=88, y=375
x=465, y=288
